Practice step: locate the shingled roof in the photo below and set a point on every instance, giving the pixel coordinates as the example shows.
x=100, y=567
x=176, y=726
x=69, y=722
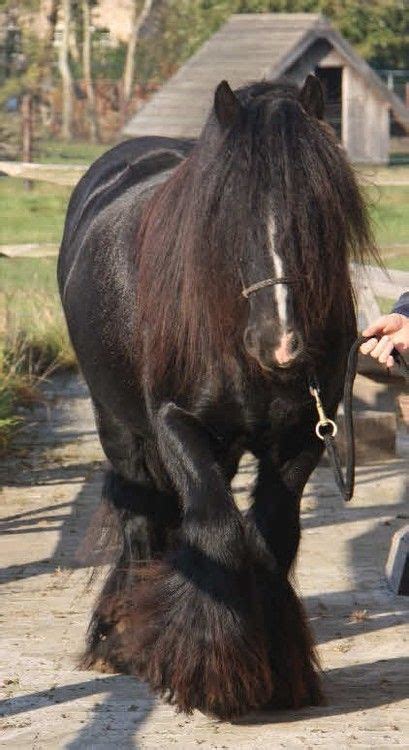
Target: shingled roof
x=247, y=47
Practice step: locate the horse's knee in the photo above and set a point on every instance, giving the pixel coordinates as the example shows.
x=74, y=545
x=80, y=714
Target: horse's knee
x=278, y=532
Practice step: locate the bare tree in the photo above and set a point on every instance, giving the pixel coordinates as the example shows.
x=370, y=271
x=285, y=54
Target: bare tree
x=65, y=71
x=137, y=23
x=46, y=62
x=87, y=70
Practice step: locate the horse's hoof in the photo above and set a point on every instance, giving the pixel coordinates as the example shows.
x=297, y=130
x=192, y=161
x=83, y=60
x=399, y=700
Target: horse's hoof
x=307, y=693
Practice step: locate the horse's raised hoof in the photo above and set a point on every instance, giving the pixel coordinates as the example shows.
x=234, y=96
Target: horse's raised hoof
x=222, y=645
x=197, y=648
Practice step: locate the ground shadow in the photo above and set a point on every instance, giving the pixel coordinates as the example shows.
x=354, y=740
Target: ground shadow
x=333, y=613
x=71, y=519
x=125, y=707
x=128, y=704
x=358, y=687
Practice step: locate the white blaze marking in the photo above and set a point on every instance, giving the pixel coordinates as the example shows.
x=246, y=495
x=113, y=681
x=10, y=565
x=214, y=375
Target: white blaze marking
x=280, y=290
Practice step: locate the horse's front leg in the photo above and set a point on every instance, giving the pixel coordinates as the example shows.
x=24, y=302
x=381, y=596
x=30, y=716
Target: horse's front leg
x=277, y=496
x=198, y=635
x=274, y=522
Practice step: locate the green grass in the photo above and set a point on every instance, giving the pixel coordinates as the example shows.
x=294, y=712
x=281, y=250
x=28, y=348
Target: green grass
x=59, y=152
x=38, y=215
x=25, y=274
x=33, y=336
x=31, y=317
x=8, y=421
x=35, y=215
x=397, y=259
x=385, y=304
x=389, y=210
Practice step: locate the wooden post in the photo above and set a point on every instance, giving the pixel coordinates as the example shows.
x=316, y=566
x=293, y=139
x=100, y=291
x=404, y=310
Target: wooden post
x=27, y=132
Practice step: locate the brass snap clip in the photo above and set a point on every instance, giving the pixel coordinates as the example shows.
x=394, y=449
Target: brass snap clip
x=325, y=425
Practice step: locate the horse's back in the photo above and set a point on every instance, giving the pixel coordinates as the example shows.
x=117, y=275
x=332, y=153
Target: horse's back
x=127, y=166
x=108, y=167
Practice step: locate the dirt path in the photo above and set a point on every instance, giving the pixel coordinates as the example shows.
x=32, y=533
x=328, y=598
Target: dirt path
x=50, y=489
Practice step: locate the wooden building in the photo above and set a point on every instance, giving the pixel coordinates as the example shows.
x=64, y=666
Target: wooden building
x=249, y=47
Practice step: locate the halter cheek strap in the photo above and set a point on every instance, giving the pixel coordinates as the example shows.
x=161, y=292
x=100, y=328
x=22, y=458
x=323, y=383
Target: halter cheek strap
x=263, y=284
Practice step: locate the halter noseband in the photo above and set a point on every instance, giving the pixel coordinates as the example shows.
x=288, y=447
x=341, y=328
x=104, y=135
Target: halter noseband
x=263, y=284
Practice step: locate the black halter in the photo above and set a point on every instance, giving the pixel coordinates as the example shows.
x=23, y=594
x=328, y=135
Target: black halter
x=265, y=283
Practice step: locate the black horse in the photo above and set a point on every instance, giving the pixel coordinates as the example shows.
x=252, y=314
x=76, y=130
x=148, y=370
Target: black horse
x=202, y=283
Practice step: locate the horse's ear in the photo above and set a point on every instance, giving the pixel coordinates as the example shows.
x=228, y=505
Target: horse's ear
x=311, y=97
x=226, y=105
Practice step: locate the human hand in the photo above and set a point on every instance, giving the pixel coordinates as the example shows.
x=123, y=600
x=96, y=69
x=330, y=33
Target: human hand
x=394, y=332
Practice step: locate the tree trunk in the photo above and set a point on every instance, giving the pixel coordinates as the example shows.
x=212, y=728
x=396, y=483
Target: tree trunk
x=129, y=68
x=52, y=18
x=46, y=66
x=27, y=132
x=65, y=72
x=87, y=69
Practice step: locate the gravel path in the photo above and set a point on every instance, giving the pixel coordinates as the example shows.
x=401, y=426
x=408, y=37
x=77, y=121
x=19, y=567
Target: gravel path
x=52, y=484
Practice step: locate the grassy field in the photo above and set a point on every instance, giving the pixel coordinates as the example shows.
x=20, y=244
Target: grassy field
x=33, y=336
x=389, y=208
x=31, y=317
x=396, y=258
x=37, y=215
x=385, y=304
x=389, y=211
x=77, y=152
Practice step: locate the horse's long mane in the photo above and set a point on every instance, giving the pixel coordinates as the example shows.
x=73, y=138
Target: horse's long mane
x=210, y=216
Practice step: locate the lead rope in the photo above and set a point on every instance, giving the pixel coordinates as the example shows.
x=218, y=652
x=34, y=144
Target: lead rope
x=326, y=428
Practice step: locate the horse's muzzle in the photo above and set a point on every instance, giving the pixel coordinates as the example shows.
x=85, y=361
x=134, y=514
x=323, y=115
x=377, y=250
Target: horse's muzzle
x=289, y=349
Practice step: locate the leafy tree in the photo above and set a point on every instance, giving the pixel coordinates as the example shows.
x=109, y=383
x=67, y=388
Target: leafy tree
x=378, y=29
x=21, y=53
x=165, y=33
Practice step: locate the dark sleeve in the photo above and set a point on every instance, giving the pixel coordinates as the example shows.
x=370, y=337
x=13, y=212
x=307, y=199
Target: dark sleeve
x=402, y=305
